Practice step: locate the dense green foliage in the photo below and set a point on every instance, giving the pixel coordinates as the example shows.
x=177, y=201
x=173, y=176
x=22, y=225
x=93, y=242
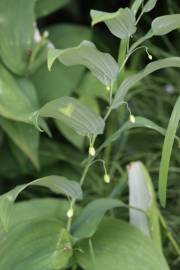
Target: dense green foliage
x=89, y=135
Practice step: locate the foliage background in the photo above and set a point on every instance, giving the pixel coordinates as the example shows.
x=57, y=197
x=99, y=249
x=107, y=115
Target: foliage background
x=154, y=98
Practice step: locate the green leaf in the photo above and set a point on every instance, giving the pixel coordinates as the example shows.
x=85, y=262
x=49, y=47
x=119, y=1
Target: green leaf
x=166, y=151
x=139, y=122
x=74, y=138
x=45, y=7
x=132, y=80
x=121, y=23
x=48, y=250
x=119, y=245
x=65, y=35
x=86, y=224
x=25, y=136
x=16, y=33
x=91, y=88
x=149, y=5
x=102, y=65
x=57, y=184
x=29, y=91
x=14, y=103
x=165, y=24
x=48, y=208
x=41, y=243
x=142, y=196
x=62, y=36
x=147, y=36
x=68, y=77
x=44, y=208
x=75, y=115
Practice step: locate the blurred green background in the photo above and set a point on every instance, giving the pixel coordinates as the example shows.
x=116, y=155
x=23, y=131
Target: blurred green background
x=68, y=23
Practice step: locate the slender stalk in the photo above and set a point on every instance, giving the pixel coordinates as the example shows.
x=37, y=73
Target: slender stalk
x=107, y=150
x=92, y=254
x=69, y=223
x=122, y=57
x=140, y=16
x=85, y=171
x=169, y=235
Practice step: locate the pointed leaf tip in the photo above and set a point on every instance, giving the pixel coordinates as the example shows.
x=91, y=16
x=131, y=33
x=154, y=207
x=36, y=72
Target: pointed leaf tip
x=167, y=151
x=52, y=55
x=102, y=65
x=120, y=23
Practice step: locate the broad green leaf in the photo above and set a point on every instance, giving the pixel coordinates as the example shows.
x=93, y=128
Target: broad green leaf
x=66, y=77
x=166, y=151
x=65, y=35
x=119, y=245
x=40, y=209
x=45, y=7
x=86, y=224
x=91, y=88
x=136, y=5
x=147, y=36
x=74, y=114
x=139, y=122
x=165, y=24
x=16, y=33
x=91, y=103
x=132, y=80
x=49, y=251
x=45, y=221
x=149, y=5
x=74, y=138
x=61, y=80
x=35, y=245
x=28, y=90
x=142, y=196
x=121, y=23
x=102, y=65
x=25, y=136
x=57, y=184
x=14, y=103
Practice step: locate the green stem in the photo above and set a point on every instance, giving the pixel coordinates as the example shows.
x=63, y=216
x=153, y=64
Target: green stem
x=69, y=223
x=107, y=114
x=107, y=150
x=122, y=57
x=122, y=51
x=92, y=254
x=138, y=19
x=169, y=235
x=85, y=171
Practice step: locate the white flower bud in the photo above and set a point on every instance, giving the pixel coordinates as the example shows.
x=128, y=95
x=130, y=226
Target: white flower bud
x=107, y=178
x=46, y=34
x=92, y=151
x=150, y=56
x=37, y=35
x=132, y=118
x=108, y=88
x=70, y=213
